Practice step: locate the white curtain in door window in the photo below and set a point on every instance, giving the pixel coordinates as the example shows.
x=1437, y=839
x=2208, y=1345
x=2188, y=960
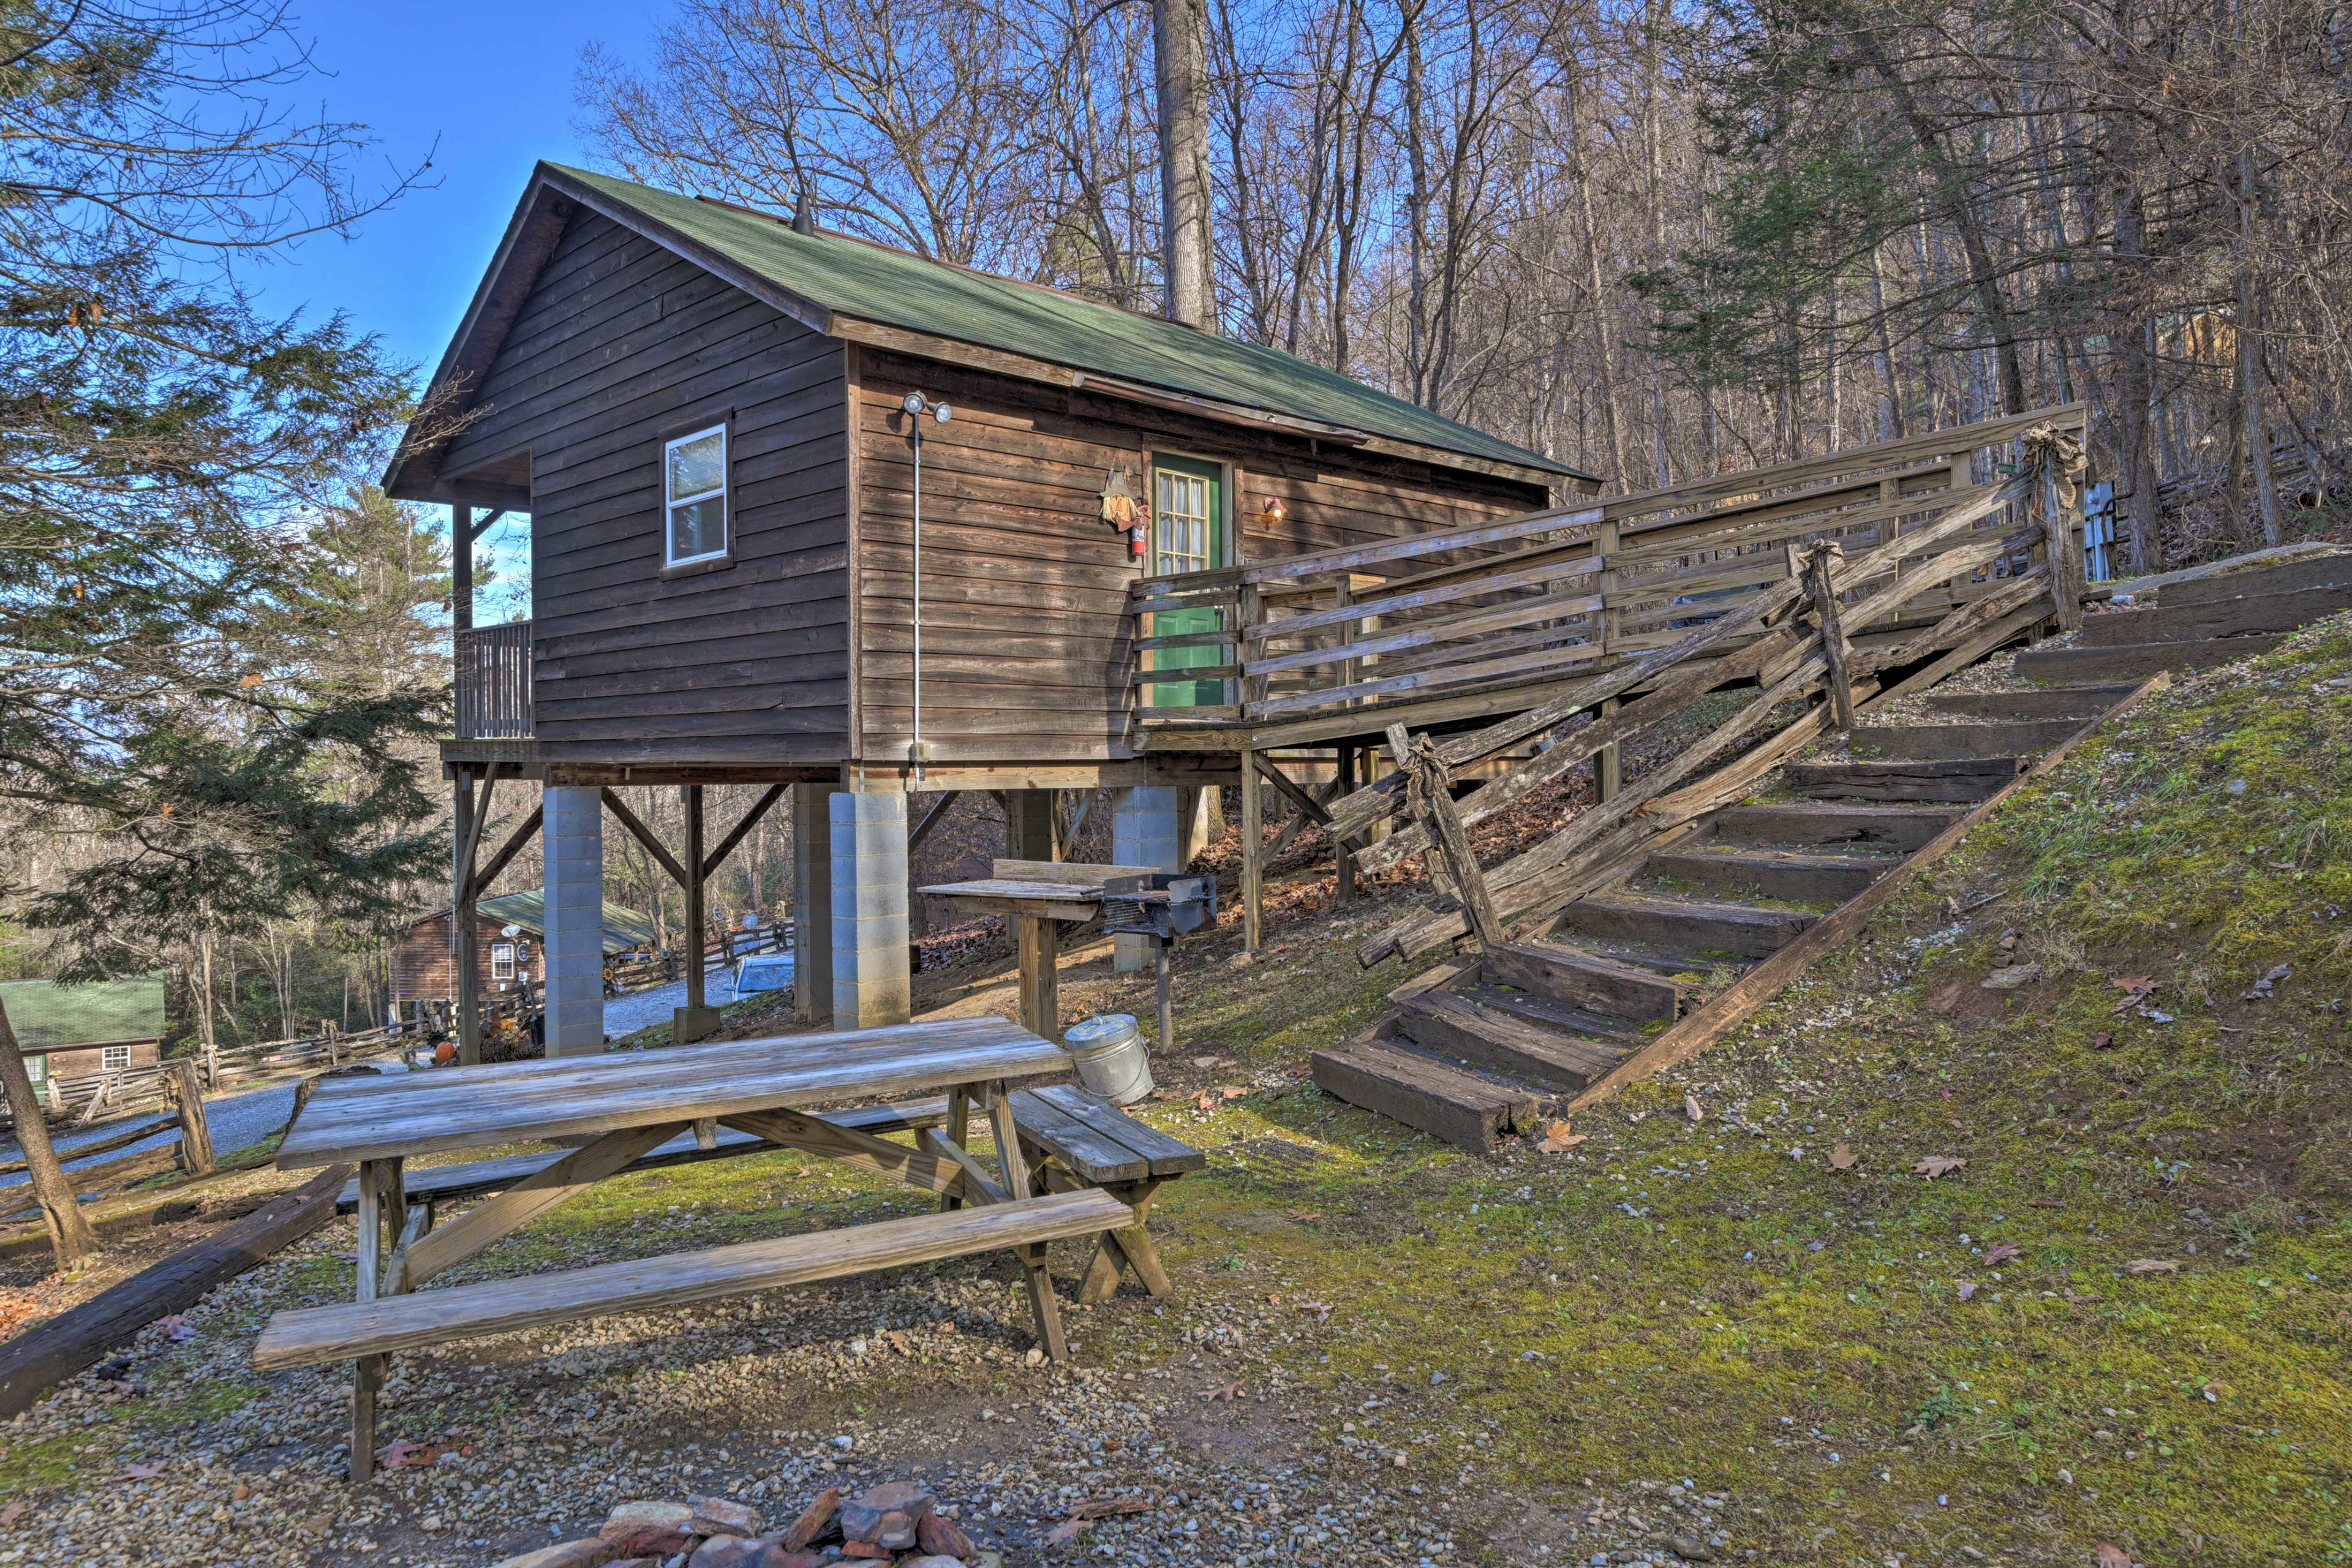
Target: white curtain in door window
x=1180, y=505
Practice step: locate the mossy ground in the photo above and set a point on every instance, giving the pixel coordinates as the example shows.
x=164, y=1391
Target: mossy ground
x=1876, y=1367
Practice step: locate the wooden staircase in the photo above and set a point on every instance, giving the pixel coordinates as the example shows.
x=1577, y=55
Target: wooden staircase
x=2200, y=624
x=1490, y=1045
x=1504, y=1037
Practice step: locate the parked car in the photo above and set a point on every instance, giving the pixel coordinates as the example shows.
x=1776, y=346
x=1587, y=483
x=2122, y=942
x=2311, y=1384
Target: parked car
x=763, y=972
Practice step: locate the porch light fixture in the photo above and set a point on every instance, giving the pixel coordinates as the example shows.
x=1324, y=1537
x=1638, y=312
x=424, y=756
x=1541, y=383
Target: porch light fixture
x=917, y=406
x=1271, y=514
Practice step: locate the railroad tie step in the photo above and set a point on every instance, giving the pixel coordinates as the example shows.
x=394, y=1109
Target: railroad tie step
x=2080, y=703
x=1897, y=828
x=1473, y=1111
x=1943, y=743
x=1697, y=925
x=2321, y=572
x=2201, y=620
x=1950, y=779
x=1799, y=875
x=1580, y=979
x=1490, y=1040
x=2137, y=661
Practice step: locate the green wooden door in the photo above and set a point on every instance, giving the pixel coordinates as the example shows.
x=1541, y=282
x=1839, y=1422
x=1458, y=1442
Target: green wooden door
x=1188, y=534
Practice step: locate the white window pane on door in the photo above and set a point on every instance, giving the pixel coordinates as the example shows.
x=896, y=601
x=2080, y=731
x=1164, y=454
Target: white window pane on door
x=1180, y=504
x=698, y=464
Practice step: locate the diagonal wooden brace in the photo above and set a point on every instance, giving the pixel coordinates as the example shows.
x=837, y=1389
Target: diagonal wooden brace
x=916, y=1167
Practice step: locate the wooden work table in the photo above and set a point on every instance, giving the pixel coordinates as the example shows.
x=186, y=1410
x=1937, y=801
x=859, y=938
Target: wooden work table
x=1035, y=896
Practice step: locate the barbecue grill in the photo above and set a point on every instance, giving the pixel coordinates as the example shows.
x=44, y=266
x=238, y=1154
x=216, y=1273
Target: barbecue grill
x=1163, y=906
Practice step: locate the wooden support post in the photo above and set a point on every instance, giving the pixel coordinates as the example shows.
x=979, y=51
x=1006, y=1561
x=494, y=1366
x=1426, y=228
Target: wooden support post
x=183, y=1088
x=1609, y=762
x=1041, y=1301
x=1343, y=852
x=1160, y=983
x=1039, y=940
x=959, y=1133
x=1252, y=853
x=1029, y=825
x=69, y=1234
x=697, y=1018
x=461, y=566
x=697, y=915
x=466, y=947
x=1426, y=775
x=1835, y=647
x=367, y=1373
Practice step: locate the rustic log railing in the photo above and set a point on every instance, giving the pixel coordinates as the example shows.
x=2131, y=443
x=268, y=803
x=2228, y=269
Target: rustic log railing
x=493, y=673
x=1470, y=622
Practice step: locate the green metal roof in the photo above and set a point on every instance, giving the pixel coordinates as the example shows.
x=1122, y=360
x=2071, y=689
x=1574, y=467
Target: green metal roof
x=624, y=929
x=46, y=1014
x=876, y=283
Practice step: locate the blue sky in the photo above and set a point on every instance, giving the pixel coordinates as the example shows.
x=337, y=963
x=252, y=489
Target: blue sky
x=484, y=88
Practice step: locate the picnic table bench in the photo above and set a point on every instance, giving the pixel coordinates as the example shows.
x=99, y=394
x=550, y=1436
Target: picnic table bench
x=1066, y=1166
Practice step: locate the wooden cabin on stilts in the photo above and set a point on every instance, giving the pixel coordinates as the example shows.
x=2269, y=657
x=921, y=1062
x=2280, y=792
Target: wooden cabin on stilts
x=812, y=512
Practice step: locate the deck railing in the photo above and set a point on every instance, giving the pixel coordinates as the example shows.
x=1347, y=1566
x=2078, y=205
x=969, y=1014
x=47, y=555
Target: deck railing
x=1556, y=595
x=494, y=682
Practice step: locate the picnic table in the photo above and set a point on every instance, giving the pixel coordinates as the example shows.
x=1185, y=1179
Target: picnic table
x=628, y=1105
x=1036, y=896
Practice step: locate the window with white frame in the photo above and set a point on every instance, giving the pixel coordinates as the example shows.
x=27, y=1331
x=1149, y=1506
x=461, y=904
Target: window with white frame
x=694, y=489
x=114, y=1058
x=502, y=961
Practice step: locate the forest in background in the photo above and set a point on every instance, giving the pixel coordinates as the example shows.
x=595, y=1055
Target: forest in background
x=1657, y=239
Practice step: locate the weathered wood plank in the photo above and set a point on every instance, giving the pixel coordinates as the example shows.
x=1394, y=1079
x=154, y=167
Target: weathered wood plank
x=307, y=1336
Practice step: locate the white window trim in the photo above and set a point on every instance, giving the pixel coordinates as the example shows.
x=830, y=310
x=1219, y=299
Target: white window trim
x=114, y=1058
x=671, y=503
x=504, y=950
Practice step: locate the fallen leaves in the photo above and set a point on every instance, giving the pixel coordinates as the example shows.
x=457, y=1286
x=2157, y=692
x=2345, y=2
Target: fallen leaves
x=1934, y=1165
x=138, y=1472
x=176, y=1329
x=1967, y=1287
x=2001, y=1252
x=1209, y=1098
x=1559, y=1139
x=1842, y=1158
x=401, y=1452
x=12, y=1513
x=2136, y=989
x=2107, y=1554
x=2152, y=1265
x=1226, y=1393
x=1069, y=1530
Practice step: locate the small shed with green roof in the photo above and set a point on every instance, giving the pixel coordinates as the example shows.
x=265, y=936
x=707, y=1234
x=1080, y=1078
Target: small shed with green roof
x=71, y=1031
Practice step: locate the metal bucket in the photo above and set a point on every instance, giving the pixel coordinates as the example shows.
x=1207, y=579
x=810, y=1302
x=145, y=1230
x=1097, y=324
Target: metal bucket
x=1108, y=1053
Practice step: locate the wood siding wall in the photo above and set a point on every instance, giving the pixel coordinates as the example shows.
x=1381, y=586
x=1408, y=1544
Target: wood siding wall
x=1026, y=655
x=620, y=343
x=423, y=966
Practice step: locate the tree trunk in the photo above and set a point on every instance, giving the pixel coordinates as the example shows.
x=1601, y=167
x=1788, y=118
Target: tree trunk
x=69, y=1234
x=1180, y=41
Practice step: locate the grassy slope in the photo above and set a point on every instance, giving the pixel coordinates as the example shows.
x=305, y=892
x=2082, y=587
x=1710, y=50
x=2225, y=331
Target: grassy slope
x=1716, y=1301
x=1713, y=1301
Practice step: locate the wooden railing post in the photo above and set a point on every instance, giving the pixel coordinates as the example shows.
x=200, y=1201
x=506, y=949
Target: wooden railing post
x=1608, y=767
